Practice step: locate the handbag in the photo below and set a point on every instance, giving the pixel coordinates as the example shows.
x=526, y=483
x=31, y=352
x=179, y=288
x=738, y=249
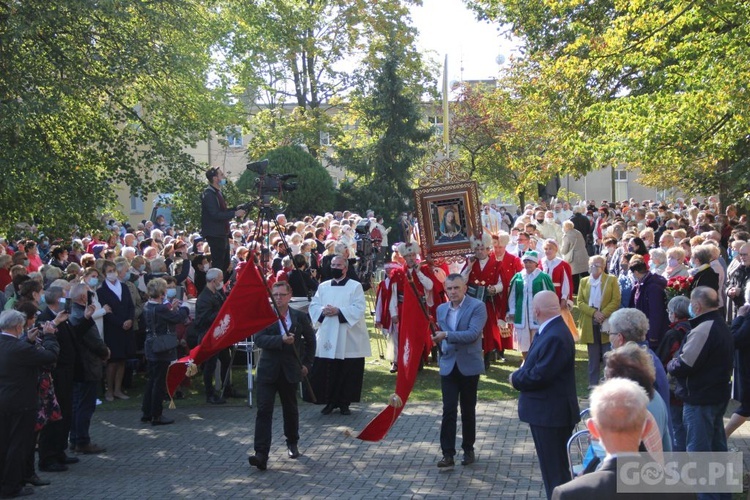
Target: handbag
x=161, y=342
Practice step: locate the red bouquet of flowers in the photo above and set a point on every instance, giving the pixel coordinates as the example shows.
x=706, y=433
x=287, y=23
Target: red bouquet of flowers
x=679, y=285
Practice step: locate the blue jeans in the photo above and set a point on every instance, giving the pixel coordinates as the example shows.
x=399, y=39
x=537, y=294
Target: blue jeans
x=678, y=428
x=704, y=429
x=84, y=405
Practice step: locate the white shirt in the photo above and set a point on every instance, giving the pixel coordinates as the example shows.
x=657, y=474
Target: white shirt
x=116, y=288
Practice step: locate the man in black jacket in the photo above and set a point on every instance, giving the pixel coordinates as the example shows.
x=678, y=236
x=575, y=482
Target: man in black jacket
x=207, y=307
x=279, y=370
x=215, y=217
x=19, y=402
x=703, y=369
x=91, y=353
x=582, y=224
x=53, y=438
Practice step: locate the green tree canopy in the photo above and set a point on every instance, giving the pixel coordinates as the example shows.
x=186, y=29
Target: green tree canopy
x=96, y=94
x=657, y=85
x=314, y=193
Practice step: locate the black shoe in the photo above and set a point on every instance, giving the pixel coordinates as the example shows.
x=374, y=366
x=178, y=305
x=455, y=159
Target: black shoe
x=469, y=458
x=53, y=467
x=258, y=461
x=36, y=481
x=394, y=368
x=292, y=450
x=145, y=419
x=66, y=460
x=446, y=462
x=345, y=410
x=23, y=492
x=161, y=421
x=213, y=399
x=328, y=408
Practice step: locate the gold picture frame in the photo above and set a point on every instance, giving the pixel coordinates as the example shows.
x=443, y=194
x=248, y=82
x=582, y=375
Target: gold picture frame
x=448, y=215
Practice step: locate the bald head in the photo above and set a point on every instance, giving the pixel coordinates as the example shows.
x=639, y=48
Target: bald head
x=546, y=305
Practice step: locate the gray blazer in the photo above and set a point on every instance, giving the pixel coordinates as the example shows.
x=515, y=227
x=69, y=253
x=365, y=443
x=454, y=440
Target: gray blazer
x=464, y=344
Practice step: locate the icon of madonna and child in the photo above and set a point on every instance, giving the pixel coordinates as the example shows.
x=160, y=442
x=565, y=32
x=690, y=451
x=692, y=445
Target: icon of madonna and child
x=450, y=229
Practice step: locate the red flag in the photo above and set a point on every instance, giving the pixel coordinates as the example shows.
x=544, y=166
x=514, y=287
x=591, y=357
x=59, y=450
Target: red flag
x=412, y=329
x=245, y=312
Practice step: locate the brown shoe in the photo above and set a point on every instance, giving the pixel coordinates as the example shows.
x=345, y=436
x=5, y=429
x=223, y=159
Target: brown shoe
x=90, y=449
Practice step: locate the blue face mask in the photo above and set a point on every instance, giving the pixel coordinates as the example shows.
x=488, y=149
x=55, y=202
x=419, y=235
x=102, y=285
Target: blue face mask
x=223, y=182
x=171, y=293
x=92, y=282
x=127, y=276
x=690, y=311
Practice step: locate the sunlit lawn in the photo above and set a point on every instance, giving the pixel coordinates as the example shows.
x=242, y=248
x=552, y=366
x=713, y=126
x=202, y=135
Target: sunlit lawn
x=379, y=383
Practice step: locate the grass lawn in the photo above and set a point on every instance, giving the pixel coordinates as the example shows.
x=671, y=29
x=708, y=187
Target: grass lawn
x=379, y=383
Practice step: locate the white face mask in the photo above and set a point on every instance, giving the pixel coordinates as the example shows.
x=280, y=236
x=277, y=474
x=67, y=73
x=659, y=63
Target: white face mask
x=112, y=277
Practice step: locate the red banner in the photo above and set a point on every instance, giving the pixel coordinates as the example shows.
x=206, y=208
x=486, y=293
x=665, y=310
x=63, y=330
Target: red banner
x=245, y=312
x=412, y=329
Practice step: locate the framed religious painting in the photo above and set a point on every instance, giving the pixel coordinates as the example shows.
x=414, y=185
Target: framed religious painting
x=447, y=215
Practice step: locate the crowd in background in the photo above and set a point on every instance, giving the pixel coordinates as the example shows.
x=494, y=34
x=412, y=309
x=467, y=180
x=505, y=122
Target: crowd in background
x=600, y=257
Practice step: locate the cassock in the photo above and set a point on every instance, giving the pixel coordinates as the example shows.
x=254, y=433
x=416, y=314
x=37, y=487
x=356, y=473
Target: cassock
x=428, y=288
x=342, y=342
x=386, y=306
x=487, y=273
x=507, y=267
x=562, y=276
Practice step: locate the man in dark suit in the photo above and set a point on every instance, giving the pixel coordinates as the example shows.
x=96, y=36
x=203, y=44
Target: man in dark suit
x=548, y=401
x=280, y=370
x=215, y=217
x=461, y=321
x=618, y=414
x=19, y=373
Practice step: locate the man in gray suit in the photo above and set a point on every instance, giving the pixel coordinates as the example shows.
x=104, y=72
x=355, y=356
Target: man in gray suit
x=461, y=322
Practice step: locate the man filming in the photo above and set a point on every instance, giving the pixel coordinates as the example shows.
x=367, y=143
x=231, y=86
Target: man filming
x=215, y=217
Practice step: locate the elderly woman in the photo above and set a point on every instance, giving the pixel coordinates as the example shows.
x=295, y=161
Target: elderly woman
x=559, y=270
x=574, y=252
x=649, y=296
x=738, y=277
x=598, y=298
x=658, y=261
x=160, y=318
x=118, y=328
x=633, y=362
x=702, y=272
x=630, y=325
x=678, y=310
x=675, y=263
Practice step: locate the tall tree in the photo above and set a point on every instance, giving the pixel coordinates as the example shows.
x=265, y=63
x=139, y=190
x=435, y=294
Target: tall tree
x=305, y=54
x=99, y=93
x=391, y=136
x=657, y=85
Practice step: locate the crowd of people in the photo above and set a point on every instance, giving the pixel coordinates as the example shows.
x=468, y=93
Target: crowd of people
x=669, y=277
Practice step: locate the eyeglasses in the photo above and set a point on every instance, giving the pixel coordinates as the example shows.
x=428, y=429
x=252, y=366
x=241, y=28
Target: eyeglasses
x=743, y=255
x=595, y=266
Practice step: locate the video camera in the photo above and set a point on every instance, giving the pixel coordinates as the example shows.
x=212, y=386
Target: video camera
x=366, y=252
x=270, y=184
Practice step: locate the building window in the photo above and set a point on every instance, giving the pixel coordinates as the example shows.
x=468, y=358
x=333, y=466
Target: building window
x=136, y=204
x=325, y=139
x=234, y=137
x=621, y=175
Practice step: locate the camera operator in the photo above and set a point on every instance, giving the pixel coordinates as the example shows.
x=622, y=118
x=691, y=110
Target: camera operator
x=215, y=217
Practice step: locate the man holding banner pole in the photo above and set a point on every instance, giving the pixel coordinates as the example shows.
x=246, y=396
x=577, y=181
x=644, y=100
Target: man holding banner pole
x=288, y=348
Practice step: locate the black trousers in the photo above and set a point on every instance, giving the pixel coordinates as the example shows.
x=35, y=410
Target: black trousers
x=53, y=438
x=16, y=443
x=219, y=253
x=209, y=367
x=550, y=443
x=156, y=386
x=337, y=381
x=458, y=389
x=265, y=397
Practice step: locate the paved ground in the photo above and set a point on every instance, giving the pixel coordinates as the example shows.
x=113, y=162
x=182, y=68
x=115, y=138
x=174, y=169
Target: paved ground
x=204, y=455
